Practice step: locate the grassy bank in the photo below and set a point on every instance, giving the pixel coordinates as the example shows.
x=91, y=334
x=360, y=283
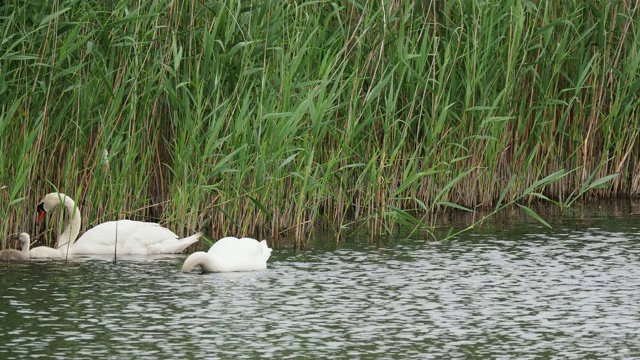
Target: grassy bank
x=268, y=118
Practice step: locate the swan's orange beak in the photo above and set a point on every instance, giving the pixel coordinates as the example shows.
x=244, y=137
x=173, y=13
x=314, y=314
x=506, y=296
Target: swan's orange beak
x=41, y=214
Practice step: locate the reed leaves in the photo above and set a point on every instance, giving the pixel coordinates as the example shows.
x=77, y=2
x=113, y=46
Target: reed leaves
x=267, y=119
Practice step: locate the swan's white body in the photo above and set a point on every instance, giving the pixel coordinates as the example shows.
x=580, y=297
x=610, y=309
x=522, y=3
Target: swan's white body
x=134, y=238
x=230, y=254
x=17, y=255
x=125, y=237
x=47, y=252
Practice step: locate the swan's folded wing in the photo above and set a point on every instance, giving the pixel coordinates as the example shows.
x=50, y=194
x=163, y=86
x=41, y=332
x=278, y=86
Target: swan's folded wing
x=244, y=254
x=133, y=238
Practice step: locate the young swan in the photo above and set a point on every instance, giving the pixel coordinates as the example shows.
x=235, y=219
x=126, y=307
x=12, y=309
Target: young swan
x=230, y=254
x=17, y=255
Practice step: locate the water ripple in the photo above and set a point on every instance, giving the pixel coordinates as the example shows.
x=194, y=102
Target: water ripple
x=572, y=294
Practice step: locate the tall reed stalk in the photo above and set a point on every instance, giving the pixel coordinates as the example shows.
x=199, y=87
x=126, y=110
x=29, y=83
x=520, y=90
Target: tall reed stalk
x=268, y=118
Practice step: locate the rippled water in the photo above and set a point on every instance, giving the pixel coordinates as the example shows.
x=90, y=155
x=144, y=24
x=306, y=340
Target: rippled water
x=524, y=292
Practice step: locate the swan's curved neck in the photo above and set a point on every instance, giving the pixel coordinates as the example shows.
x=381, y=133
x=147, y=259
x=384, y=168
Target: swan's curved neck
x=25, y=247
x=195, y=259
x=72, y=229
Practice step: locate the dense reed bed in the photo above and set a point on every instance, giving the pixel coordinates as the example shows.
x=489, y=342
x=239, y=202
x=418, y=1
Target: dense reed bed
x=269, y=118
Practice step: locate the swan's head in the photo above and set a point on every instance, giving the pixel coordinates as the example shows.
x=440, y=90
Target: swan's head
x=25, y=242
x=49, y=202
x=24, y=238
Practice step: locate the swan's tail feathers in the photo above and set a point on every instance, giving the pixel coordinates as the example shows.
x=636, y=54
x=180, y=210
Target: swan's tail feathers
x=186, y=242
x=266, y=250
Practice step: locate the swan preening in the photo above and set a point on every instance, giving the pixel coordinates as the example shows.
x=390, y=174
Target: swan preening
x=131, y=237
x=17, y=255
x=230, y=254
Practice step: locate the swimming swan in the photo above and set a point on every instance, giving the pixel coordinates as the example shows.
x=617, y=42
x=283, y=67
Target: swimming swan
x=131, y=237
x=230, y=254
x=17, y=255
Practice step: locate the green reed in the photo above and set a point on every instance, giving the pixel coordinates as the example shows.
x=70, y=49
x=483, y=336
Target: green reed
x=271, y=118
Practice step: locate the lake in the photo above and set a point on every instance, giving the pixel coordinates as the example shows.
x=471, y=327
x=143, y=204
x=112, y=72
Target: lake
x=511, y=289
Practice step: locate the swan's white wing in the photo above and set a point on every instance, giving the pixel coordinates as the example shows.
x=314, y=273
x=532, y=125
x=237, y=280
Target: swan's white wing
x=132, y=238
x=232, y=245
x=244, y=254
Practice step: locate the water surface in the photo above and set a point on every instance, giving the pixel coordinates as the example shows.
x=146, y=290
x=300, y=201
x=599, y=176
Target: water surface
x=503, y=291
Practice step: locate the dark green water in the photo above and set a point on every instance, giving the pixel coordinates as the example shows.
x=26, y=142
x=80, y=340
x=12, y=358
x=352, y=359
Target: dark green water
x=512, y=289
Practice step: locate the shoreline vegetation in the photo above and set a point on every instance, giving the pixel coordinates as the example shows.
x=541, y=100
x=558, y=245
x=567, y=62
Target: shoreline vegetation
x=272, y=119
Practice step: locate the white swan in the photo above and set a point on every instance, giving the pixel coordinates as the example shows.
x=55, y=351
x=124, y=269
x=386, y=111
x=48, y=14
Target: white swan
x=16, y=255
x=131, y=237
x=47, y=252
x=230, y=254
